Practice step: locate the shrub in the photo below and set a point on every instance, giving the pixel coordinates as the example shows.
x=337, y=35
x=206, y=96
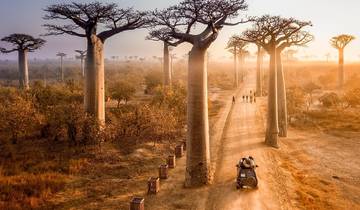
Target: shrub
x=329, y=99
x=18, y=116
x=173, y=99
x=71, y=122
x=295, y=101
x=45, y=97
x=352, y=97
x=153, y=79
x=122, y=91
x=143, y=122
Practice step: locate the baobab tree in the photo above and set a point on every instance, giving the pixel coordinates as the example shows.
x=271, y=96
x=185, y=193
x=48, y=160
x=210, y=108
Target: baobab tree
x=274, y=34
x=259, y=74
x=84, y=20
x=22, y=43
x=242, y=55
x=81, y=57
x=339, y=43
x=299, y=38
x=162, y=35
x=61, y=72
x=236, y=46
x=209, y=16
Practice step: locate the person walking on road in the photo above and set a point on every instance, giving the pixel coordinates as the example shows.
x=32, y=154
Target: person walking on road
x=233, y=100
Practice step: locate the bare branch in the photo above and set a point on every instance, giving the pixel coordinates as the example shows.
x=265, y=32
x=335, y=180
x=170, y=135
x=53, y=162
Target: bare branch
x=278, y=32
x=124, y=20
x=181, y=19
x=341, y=41
x=236, y=43
x=163, y=34
x=54, y=30
x=88, y=17
x=22, y=42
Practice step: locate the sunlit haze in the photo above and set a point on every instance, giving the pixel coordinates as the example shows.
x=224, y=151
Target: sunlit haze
x=329, y=17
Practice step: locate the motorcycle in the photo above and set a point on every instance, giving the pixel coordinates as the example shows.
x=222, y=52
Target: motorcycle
x=246, y=175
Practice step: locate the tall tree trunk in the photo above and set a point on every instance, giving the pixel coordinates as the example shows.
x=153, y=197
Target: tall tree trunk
x=281, y=88
x=272, y=128
x=61, y=69
x=171, y=68
x=198, y=153
x=166, y=66
x=94, y=79
x=241, y=66
x=82, y=67
x=341, y=69
x=23, y=70
x=258, y=73
x=236, y=72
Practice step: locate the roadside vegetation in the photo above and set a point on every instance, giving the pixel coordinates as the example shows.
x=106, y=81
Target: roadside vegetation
x=51, y=145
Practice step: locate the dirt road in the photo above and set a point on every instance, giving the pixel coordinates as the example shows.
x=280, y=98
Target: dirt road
x=244, y=136
x=306, y=172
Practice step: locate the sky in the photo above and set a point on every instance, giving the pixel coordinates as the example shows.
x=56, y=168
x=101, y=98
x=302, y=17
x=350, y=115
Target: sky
x=329, y=17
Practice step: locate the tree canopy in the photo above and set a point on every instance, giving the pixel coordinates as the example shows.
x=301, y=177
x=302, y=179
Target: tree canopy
x=178, y=22
x=22, y=42
x=235, y=43
x=341, y=41
x=278, y=31
x=87, y=17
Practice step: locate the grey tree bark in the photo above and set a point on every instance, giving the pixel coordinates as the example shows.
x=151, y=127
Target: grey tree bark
x=259, y=73
x=341, y=73
x=272, y=128
x=281, y=94
x=82, y=67
x=198, y=152
x=94, y=79
x=241, y=68
x=61, y=69
x=166, y=65
x=23, y=69
x=236, y=70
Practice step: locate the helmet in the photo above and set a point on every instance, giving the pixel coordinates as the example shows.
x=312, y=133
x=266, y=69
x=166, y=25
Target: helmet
x=247, y=162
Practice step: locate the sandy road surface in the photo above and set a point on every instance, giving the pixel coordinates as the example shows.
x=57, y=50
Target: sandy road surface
x=307, y=172
x=244, y=136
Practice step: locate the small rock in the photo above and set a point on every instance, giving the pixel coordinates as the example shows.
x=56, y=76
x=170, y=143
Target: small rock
x=335, y=177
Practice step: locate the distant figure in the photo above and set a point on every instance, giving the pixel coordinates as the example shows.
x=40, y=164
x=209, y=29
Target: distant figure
x=254, y=99
x=243, y=98
x=247, y=98
x=251, y=98
x=233, y=100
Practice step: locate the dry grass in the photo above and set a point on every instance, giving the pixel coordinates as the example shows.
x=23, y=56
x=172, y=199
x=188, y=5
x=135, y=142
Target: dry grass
x=28, y=191
x=341, y=123
x=41, y=174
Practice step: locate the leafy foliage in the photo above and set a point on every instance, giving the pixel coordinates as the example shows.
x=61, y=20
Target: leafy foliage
x=152, y=80
x=122, y=91
x=18, y=116
x=329, y=100
x=295, y=101
x=173, y=99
